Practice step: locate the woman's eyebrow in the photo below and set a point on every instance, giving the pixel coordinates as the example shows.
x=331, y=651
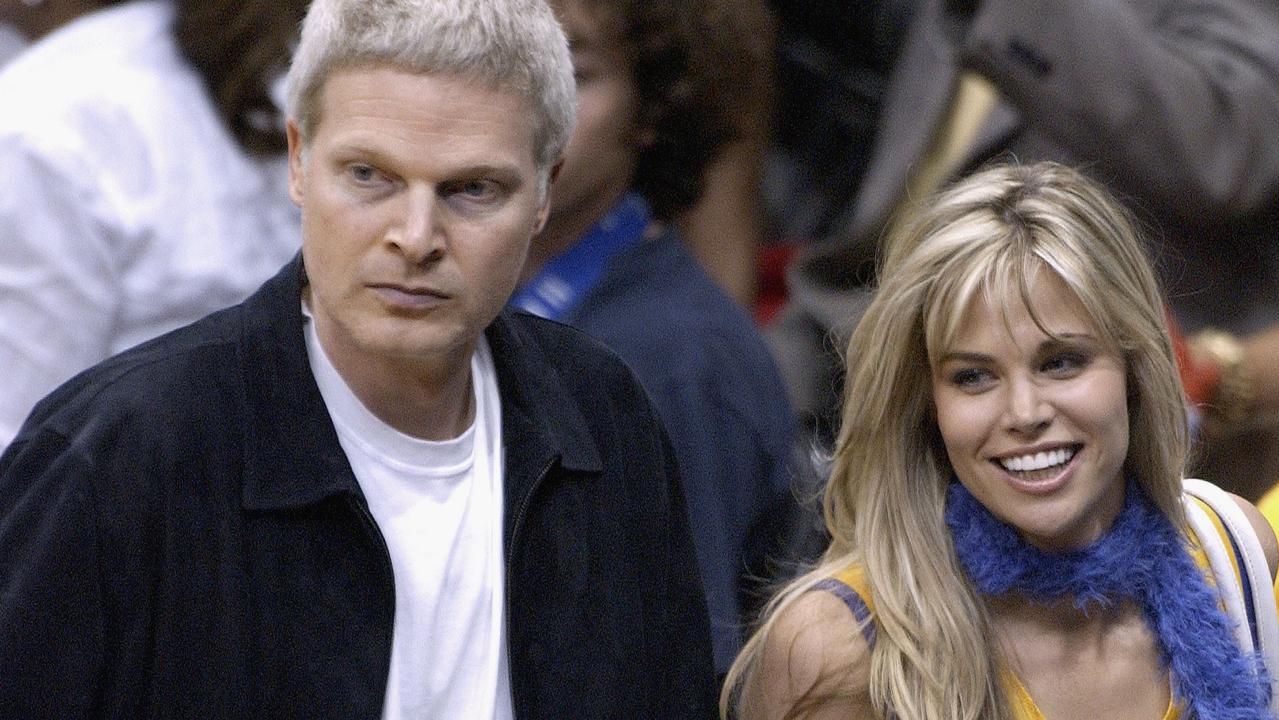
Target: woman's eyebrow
x=964, y=356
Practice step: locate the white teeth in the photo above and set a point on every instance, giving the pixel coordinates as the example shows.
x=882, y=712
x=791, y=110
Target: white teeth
x=1038, y=461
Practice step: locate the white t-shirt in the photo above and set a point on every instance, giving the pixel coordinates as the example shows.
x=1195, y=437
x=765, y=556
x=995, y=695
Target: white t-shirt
x=127, y=208
x=439, y=507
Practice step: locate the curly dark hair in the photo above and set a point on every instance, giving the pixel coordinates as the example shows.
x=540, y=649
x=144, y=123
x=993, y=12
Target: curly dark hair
x=238, y=47
x=701, y=69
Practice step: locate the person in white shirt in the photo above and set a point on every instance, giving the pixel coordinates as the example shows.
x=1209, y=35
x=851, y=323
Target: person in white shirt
x=23, y=21
x=11, y=43
x=142, y=170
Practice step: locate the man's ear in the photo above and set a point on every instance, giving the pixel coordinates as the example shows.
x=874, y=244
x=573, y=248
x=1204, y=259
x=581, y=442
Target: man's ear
x=545, y=211
x=294, y=137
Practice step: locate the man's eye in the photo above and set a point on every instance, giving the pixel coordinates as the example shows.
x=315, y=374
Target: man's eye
x=478, y=189
x=363, y=174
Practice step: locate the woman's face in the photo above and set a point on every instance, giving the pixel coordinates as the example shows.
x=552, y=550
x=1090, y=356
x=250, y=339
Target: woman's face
x=1036, y=425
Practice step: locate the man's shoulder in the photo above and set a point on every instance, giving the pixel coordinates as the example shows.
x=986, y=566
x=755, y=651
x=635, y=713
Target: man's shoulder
x=564, y=375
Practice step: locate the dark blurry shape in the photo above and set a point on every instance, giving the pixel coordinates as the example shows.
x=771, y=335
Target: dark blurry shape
x=655, y=105
x=727, y=225
x=37, y=18
x=239, y=47
x=833, y=63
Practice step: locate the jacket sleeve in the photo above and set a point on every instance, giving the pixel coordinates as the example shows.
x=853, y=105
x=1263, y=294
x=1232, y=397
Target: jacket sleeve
x=1176, y=101
x=51, y=621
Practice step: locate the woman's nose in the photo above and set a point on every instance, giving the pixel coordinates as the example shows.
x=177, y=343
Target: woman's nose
x=1028, y=410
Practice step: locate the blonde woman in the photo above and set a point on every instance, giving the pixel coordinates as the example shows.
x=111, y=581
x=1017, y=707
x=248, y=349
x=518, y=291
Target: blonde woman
x=1008, y=538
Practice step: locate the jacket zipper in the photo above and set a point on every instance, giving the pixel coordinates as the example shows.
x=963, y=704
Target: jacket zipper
x=516, y=703
x=389, y=573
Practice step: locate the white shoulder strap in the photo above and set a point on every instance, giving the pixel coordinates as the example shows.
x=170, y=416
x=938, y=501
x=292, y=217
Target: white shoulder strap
x=1223, y=572
x=1252, y=563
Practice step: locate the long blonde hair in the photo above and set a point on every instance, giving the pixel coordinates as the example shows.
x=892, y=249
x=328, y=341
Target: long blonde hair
x=933, y=657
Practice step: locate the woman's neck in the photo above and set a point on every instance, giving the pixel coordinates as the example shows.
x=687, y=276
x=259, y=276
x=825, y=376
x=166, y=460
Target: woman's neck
x=1016, y=613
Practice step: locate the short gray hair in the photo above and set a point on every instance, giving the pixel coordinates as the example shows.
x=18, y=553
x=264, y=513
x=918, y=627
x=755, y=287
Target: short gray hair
x=514, y=44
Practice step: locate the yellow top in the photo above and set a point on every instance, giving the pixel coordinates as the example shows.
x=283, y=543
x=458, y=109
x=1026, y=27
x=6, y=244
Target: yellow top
x=1023, y=705
x=1269, y=506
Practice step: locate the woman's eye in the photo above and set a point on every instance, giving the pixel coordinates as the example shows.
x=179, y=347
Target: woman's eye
x=969, y=378
x=1066, y=363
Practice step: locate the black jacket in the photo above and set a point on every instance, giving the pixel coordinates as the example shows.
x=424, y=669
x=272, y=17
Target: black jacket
x=182, y=536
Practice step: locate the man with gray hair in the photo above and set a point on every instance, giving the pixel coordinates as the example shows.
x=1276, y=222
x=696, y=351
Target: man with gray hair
x=369, y=490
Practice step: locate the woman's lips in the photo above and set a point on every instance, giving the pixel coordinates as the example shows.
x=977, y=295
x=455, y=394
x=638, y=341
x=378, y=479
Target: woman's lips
x=1044, y=481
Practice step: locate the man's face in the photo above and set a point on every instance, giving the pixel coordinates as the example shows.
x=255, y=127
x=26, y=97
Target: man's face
x=419, y=194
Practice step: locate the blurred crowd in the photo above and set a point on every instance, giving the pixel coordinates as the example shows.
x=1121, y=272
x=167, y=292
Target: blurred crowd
x=716, y=221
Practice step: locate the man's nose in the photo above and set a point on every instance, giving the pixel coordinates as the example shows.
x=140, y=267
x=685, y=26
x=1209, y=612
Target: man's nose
x=417, y=234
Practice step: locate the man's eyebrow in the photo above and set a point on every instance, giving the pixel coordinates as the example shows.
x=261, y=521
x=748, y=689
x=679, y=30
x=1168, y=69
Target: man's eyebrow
x=488, y=169
x=507, y=172
x=358, y=147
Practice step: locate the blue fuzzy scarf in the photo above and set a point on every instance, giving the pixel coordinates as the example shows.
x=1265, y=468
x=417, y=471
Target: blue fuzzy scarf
x=1143, y=558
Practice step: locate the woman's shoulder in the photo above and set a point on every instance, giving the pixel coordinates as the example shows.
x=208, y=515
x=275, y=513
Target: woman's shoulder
x=1202, y=494
x=815, y=651
x=1265, y=532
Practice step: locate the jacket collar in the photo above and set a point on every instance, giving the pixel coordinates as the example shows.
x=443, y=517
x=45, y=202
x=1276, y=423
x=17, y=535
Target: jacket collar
x=292, y=456
x=542, y=426
x=537, y=406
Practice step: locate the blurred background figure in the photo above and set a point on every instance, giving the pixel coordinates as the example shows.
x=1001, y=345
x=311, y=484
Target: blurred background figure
x=833, y=60
x=11, y=43
x=657, y=103
x=1173, y=105
x=726, y=225
x=807, y=79
x=142, y=180
x=24, y=21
